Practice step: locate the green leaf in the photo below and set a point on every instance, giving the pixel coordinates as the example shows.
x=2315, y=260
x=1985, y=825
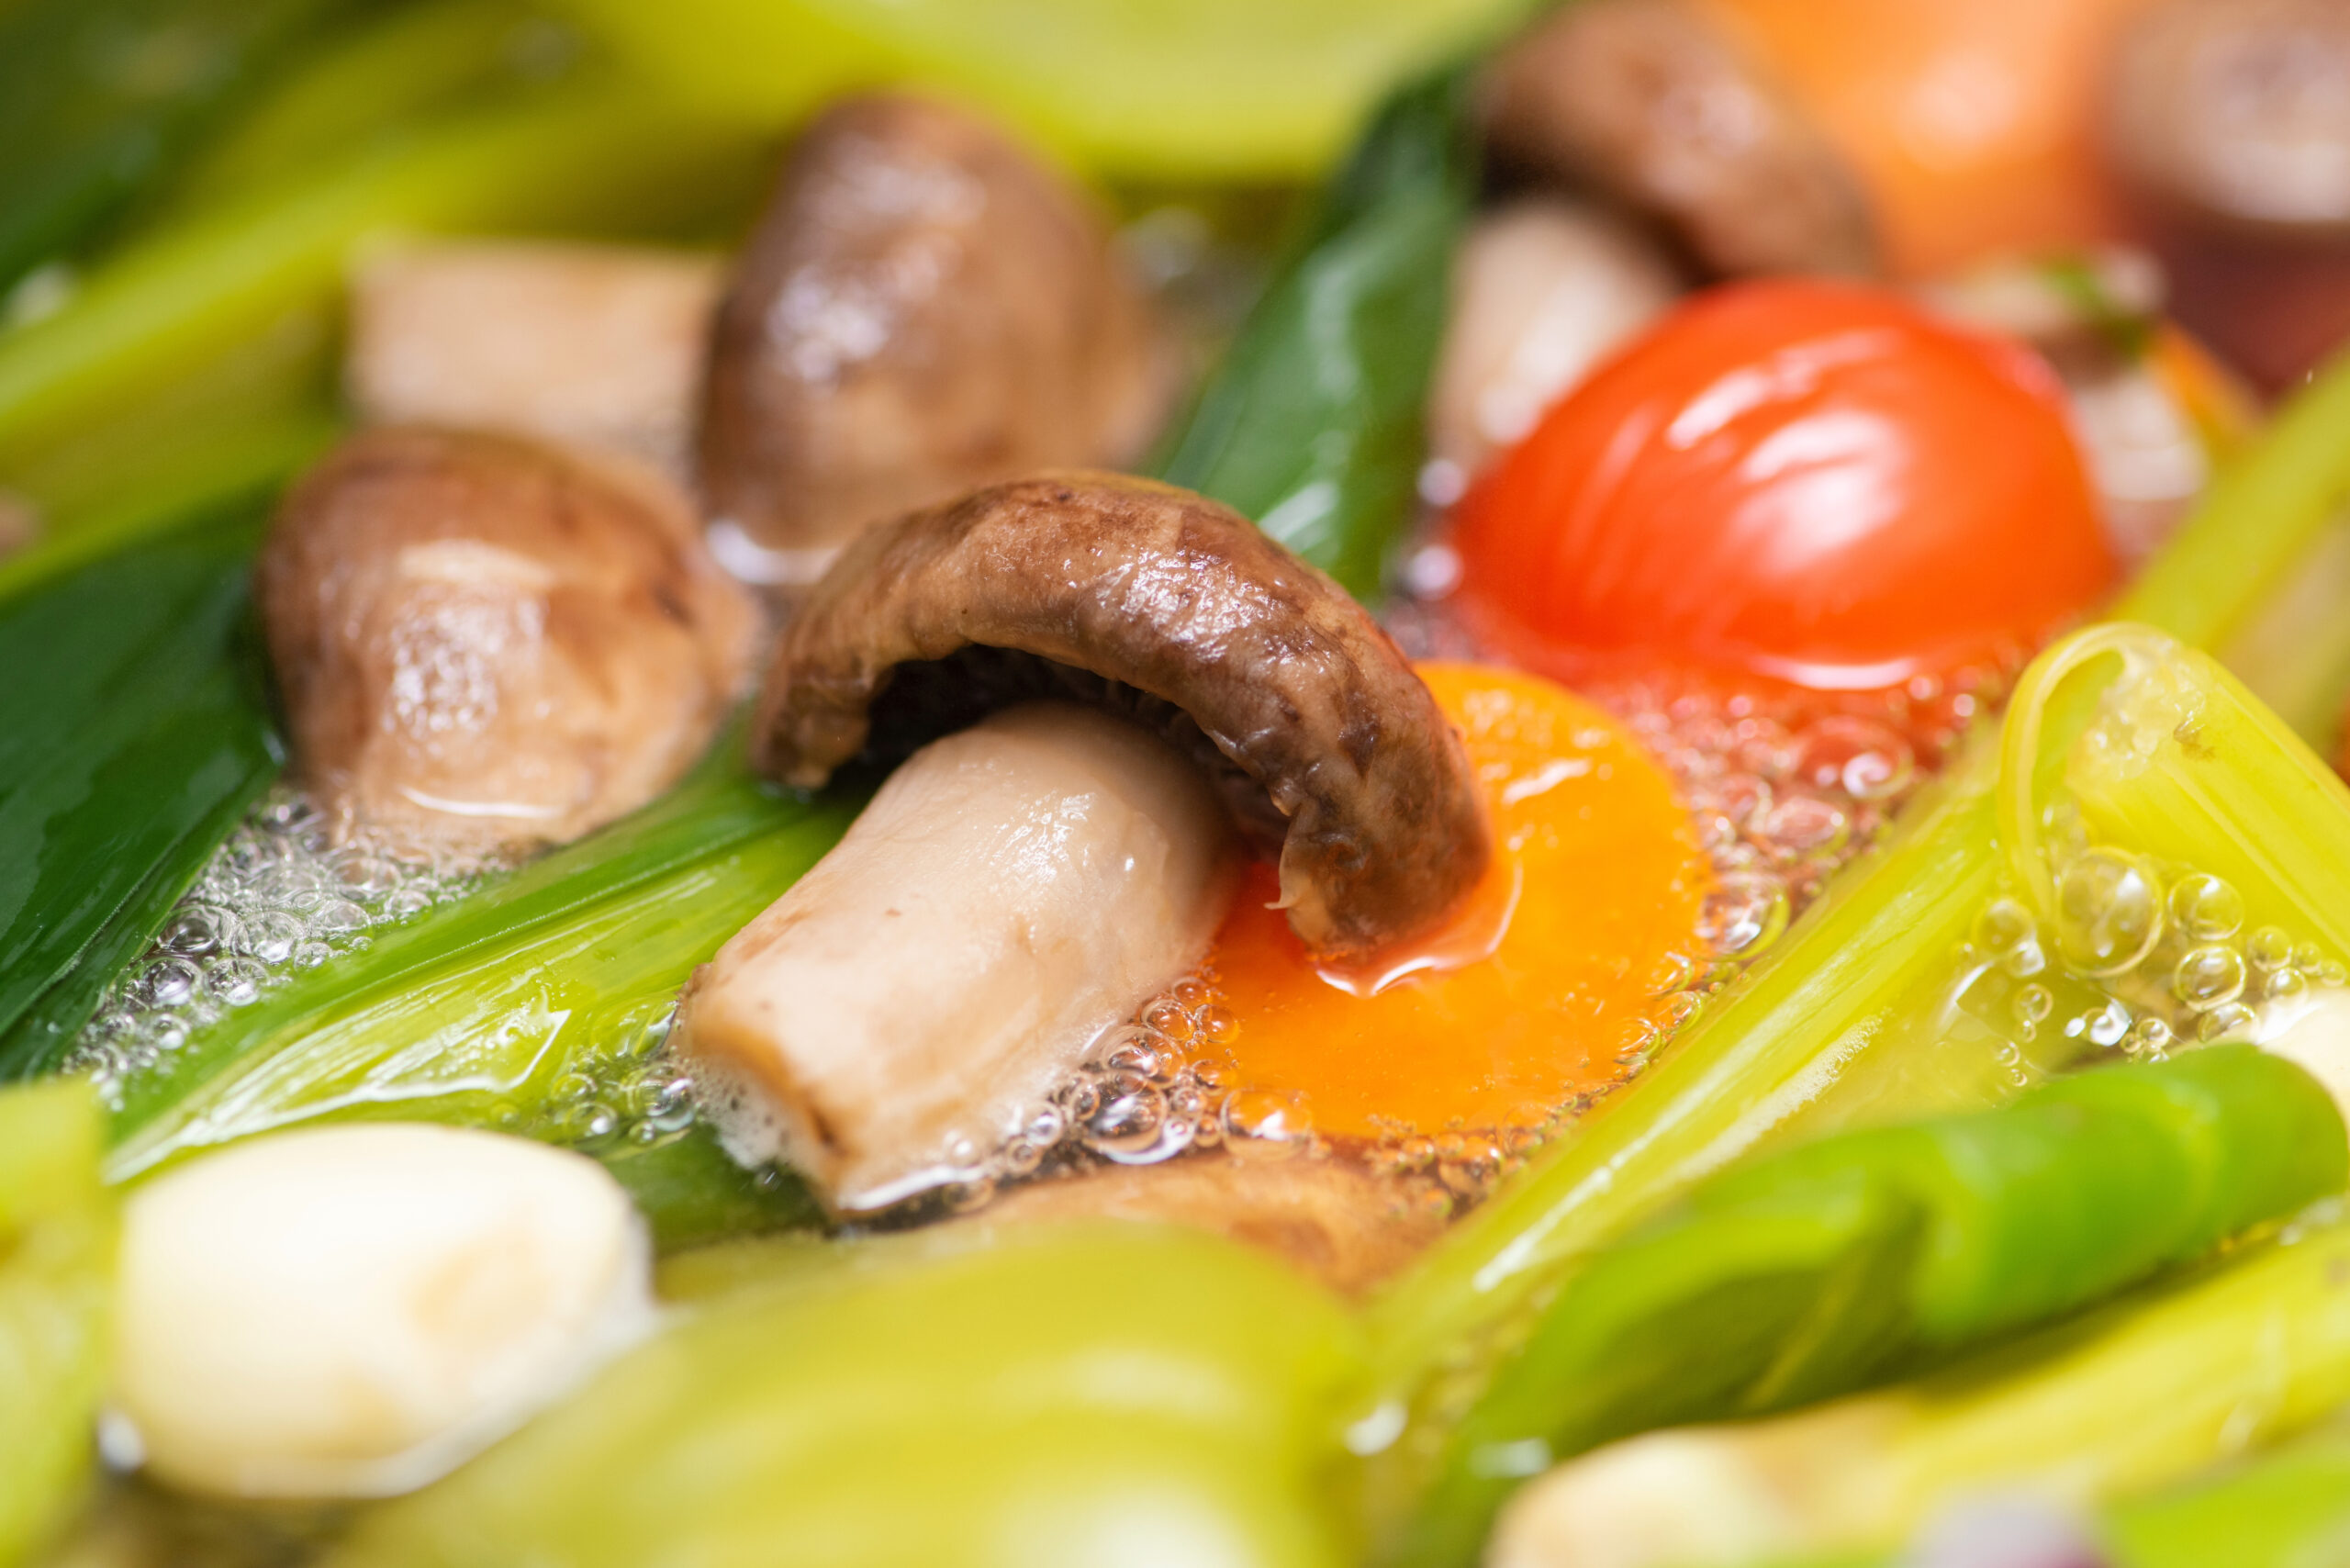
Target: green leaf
x=134, y=730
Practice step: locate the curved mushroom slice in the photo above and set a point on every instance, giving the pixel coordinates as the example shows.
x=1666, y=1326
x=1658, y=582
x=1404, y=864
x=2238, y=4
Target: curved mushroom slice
x=1646, y=101
x=486, y=644
x=1335, y=1221
x=1014, y=890
x=1163, y=593
x=923, y=307
x=1542, y=290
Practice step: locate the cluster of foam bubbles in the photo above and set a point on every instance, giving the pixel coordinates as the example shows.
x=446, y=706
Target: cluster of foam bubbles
x=1149, y=1088
x=280, y=897
x=2137, y=958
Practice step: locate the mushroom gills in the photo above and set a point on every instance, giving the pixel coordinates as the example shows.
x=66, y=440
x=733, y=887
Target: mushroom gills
x=1012, y=891
x=353, y=1311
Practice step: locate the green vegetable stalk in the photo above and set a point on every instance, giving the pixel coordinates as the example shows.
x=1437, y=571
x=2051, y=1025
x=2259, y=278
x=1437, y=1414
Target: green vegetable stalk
x=193, y=297
x=1848, y=1016
x=1820, y=1271
x=98, y=99
x=56, y=1256
x=1052, y=1395
x=2133, y=1397
x=133, y=735
x=1312, y=423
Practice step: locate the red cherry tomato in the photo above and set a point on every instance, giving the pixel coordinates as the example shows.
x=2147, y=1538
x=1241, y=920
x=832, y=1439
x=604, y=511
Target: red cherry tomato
x=1811, y=481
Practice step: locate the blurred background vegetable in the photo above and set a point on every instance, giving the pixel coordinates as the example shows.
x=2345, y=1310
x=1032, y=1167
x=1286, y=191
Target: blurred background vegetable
x=56, y=1254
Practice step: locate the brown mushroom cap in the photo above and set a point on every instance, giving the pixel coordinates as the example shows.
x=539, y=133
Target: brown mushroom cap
x=923, y=307
x=1149, y=596
x=1646, y=101
x=487, y=642
x=2235, y=114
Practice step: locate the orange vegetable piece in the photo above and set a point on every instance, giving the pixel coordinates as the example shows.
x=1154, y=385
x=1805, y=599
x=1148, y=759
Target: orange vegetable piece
x=1973, y=122
x=1591, y=903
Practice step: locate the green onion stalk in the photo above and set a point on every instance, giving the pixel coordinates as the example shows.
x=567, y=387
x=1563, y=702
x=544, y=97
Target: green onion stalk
x=2122, y=1402
x=56, y=1259
x=1103, y=1392
x=1859, y=1014
x=1826, y=1268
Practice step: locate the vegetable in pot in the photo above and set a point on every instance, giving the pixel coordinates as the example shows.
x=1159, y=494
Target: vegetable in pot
x=1816, y=1272
x=2138, y=1395
x=1064, y=1394
x=1803, y=481
x=922, y=309
x=1160, y=606
x=350, y=1312
x=486, y=644
x=56, y=1264
x=1654, y=104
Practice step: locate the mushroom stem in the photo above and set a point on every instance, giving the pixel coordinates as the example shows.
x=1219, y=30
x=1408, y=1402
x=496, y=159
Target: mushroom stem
x=1012, y=891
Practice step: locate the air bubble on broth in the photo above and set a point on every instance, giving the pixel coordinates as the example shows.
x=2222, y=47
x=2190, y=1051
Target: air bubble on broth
x=277, y=899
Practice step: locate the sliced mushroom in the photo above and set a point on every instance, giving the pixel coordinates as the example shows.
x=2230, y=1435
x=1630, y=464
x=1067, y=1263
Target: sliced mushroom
x=1542, y=290
x=351, y=1311
x=486, y=643
x=1027, y=882
x=2235, y=114
x=923, y=307
x=599, y=345
x=1168, y=595
x=1332, y=1219
x=1649, y=102
x=1014, y=890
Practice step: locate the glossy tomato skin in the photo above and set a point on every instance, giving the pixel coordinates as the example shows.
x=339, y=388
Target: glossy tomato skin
x=1810, y=481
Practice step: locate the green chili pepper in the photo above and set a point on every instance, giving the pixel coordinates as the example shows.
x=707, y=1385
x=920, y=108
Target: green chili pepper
x=2138, y=1395
x=1312, y=423
x=1819, y=1271
x=1051, y=1396
x=56, y=1257
x=99, y=98
x=134, y=732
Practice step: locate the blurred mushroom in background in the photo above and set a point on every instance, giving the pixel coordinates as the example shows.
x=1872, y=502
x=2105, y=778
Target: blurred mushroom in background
x=600, y=346
x=489, y=644
x=2229, y=122
x=1653, y=105
x=923, y=307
